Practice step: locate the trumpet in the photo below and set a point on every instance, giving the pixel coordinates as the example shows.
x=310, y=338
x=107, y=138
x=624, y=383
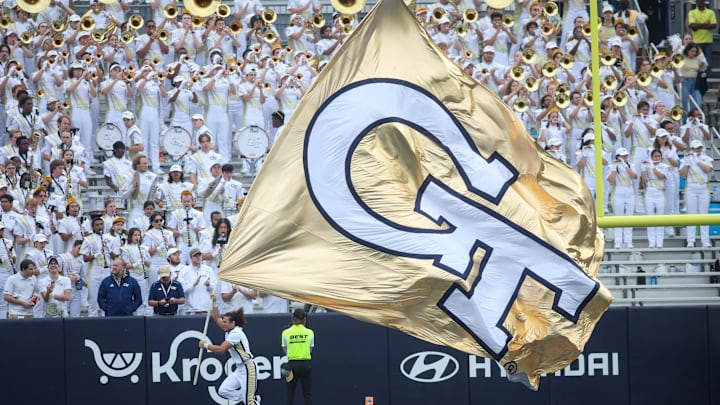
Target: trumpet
x=677, y=61
x=619, y=99
x=346, y=19
x=549, y=70
x=26, y=37
x=521, y=104
x=64, y=54
x=163, y=35
x=232, y=70
x=484, y=71
x=657, y=69
x=170, y=11
x=608, y=59
x=547, y=28
x=532, y=84
x=469, y=54
x=268, y=16
x=438, y=13
x=289, y=50
x=156, y=61
x=550, y=9
x=235, y=26
x=58, y=40
x=348, y=6
x=40, y=93
x=65, y=105
x=562, y=100
x=644, y=79
x=223, y=10
x=508, y=21
x=470, y=15
x=256, y=49
x=517, y=73
x=567, y=61
x=185, y=58
x=318, y=20
x=299, y=76
x=93, y=76
x=129, y=76
x=87, y=59
x=161, y=76
x=127, y=36
x=136, y=22
x=632, y=31
x=587, y=29
x=676, y=113
x=610, y=82
x=201, y=73
x=462, y=30
x=267, y=85
x=588, y=99
x=131, y=68
x=529, y=56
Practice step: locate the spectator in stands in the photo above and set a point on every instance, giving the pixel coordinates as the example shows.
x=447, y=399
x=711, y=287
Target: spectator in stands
x=688, y=74
x=702, y=22
x=695, y=169
x=19, y=291
x=119, y=294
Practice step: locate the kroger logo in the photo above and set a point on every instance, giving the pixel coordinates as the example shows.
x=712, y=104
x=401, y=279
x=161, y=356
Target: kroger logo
x=429, y=367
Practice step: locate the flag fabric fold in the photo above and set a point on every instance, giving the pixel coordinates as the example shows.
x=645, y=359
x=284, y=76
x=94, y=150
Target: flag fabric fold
x=404, y=193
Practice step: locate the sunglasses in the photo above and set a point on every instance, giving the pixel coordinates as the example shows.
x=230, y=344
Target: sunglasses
x=158, y=221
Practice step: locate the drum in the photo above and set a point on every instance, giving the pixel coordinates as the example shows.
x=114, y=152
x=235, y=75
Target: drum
x=107, y=135
x=120, y=204
x=95, y=205
x=176, y=141
x=251, y=142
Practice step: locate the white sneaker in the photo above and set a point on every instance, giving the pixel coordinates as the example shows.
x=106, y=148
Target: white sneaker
x=651, y=246
x=630, y=246
x=617, y=246
x=707, y=245
x=691, y=244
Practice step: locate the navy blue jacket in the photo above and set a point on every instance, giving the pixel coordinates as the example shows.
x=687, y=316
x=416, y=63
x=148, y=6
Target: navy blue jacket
x=119, y=300
x=157, y=294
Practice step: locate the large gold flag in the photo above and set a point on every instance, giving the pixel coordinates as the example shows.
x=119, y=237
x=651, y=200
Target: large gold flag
x=403, y=193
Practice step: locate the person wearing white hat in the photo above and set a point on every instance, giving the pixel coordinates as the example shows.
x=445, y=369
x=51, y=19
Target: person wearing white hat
x=133, y=136
x=80, y=90
x=150, y=91
x=39, y=256
x=181, y=98
x=606, y=30
x=621, y=176
x=118, y=93
x=48, y=78
x=489, y=72
x=298, y=36
x=663, y=142
x=585, y=160
x=695, y=169
x=252, y=92
x=217, y=90
x=553, y=148
x=169, y=191
x=446, y=39
x=653, y=177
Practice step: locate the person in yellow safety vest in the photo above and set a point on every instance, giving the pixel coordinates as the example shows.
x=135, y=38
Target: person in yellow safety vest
x=297, y=343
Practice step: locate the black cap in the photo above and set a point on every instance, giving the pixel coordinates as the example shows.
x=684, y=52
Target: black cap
x=299, y=314
x=279, y=115
x=52, y=259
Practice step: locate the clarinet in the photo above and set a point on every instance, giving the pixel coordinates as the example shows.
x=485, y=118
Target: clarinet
x=142, y=262
x=104, y=248
x=10, y=258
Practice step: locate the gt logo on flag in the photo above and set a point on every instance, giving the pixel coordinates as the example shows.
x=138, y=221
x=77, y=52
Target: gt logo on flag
x=511, y=252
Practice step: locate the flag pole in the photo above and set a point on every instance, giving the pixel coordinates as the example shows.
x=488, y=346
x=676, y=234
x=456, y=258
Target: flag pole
x=205, y=328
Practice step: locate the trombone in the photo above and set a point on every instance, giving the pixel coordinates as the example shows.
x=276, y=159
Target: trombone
x=644, y=79
x=508, y=21
x=657, y=69
x=610, y=82
x=346, y=19
x=163, y=35
x=518, y=73
x=438, y=13
x=563, y=88
x=197, y=21
x=5, y=21
x=547, y=28
x=588, y=99
x=677, y=61
x=87, y=23
x=58, y=40
x=562, y=100
x=26, y=37
x=608, y=59
x=632, y=31
x=587, y=29
x=532, y=84
x=470, y=15
x=550, y=9
x=318, y=20
x=201, y=8
x=269, y=37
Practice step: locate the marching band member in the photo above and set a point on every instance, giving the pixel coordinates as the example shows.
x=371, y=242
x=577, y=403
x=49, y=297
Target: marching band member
x=67, y=142
x=170, y=191
x=672, y=180
x=149, y=46
x=117, y=170
x=39, y=256
x=158, y=242
x=143, y=186
x=72, y=265
x=150, y=90
x=96, y=251
x=74, y=172
x=622, y=175
x=55, y=290
x=695, y=128
x=137, y=263
x=134, y=138
x=71, y=227
x=181, y=98
x=641, y=130
x=8, y=264
x=118, y=92
x=217, y=88
x=143, y=221
x=695, y=169
x=199, y=164
x=109, y=215
x=653, y=177
x=186, y=224
x=25, y=118
x=80, y=89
